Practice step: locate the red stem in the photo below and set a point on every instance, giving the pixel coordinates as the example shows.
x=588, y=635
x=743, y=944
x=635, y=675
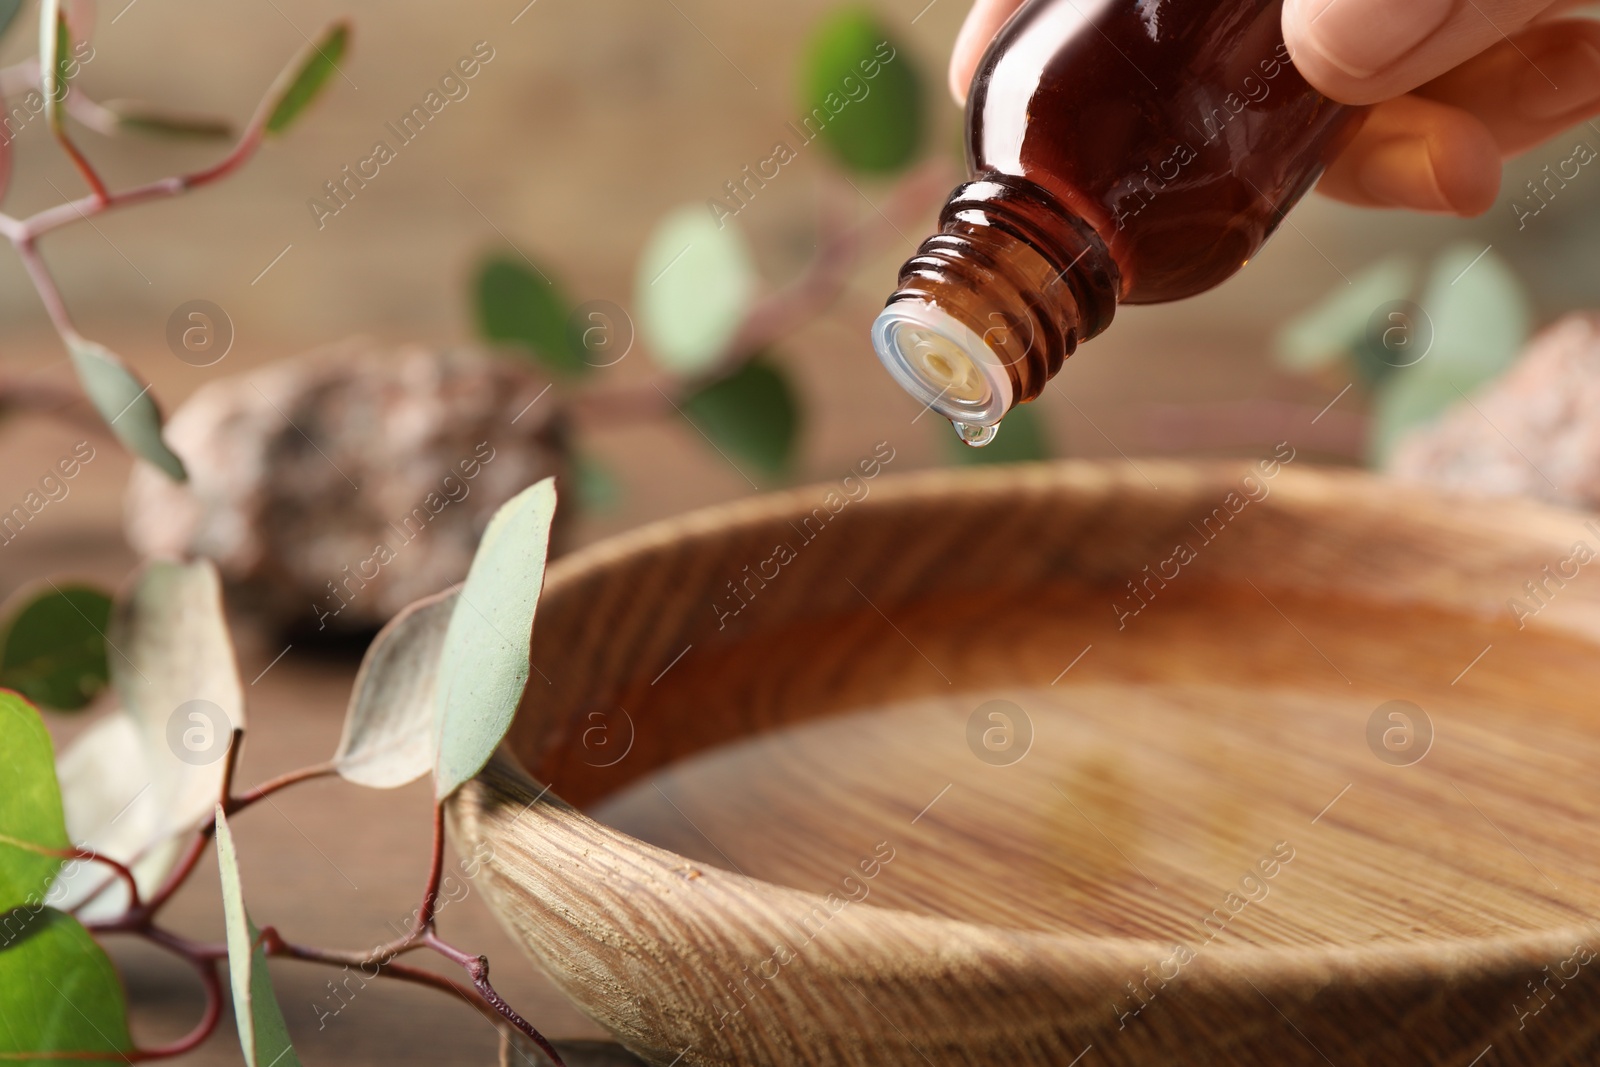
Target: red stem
x=430, y=892
x=197, y=846
x=477, y=968
x=89, y=206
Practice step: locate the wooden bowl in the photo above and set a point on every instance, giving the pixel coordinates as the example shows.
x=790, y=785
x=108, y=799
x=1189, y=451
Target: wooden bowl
x=1201, y=829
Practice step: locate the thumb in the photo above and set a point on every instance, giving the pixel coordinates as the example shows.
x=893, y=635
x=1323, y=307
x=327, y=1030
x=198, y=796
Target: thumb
x=1364, y=51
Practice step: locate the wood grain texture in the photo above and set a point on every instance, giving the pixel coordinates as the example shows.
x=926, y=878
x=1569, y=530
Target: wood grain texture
x=1090, y=899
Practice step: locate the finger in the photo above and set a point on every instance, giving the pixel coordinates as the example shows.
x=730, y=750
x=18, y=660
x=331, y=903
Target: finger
x=1364, y=51
x=1419, y=154
x=983, y=22
x=1530, y=88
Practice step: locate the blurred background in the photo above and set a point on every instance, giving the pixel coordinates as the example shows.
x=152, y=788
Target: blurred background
x=590, y=124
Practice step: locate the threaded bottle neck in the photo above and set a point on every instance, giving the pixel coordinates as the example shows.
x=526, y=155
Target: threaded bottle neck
x=1013, y=282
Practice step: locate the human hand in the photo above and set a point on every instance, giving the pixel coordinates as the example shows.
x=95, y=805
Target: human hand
x=1458, y=86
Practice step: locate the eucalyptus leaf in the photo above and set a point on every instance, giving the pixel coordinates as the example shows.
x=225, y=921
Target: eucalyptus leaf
x=598, y=486
x=55, y=48
x=861, y=94
x=693, y=288
x=62, y=998
x=752, y=414
x=1480, y=314
x=1480, y=319
x=8, y=13
x=1021, y=439
x=136, y=116
x=388, y=730
x=484, y=667
x=172, y=665
x=30, y=808
x=124, y=403
x=304, y=77
x=54, y=649
x=1332, y=328
x=521, y=307
x=111, y=808
x=262, y=1032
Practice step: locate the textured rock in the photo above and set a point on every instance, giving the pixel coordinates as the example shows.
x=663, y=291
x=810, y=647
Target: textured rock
x=334, y=488
x=1535, y=431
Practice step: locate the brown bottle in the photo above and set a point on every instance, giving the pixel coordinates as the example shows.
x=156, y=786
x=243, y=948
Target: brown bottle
x=1123, y=151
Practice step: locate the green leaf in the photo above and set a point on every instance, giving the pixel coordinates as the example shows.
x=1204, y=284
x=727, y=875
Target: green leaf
x=173, y=667
x=136, y=116
x=60, y=993
x=8, y=13
x=304, y=77
x=1334, y=327
x=485, y=663
x=124, y=403
x=54, y=650
x=519, y=306
x=30, y=807
x=55, y=41
x=693, y=288
x=1022, y=439
x=1480, y=314
x=751, y=414
x=262, y=1033
x=862, y=93
x=598, y=486
x=1480, y=319
x=388, y=729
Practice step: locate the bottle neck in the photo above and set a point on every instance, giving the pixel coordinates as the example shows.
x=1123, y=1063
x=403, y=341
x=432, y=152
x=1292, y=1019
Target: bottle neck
x=1013, y=274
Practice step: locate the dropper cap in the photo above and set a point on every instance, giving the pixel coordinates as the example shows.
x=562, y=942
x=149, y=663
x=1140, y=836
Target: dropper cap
x=943, y=364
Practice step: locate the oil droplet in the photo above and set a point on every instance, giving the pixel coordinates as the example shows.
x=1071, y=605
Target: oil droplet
x=974, y=436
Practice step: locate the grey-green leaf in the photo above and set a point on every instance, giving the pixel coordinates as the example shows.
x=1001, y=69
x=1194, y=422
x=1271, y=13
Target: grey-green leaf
x=1480, y=319
x=136, y=116
x=112, y=809
x=485, y=664
x=861, y=94
x=304, y=77
x=752, y=415
x=8, y=13
x=262, y=1033
x=124, y=403
x=519, y=306
x=1022, y=439
x=61, y=996
x=599, y=489
x=172, y=664
x=54, y=648
x=693, y=288
x=31, y=821
x=388, y=730
x=55, y=54
x=1333, y=327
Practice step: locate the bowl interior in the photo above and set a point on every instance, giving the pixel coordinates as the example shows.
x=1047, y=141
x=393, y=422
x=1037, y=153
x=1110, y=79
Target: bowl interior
x=1279, y=710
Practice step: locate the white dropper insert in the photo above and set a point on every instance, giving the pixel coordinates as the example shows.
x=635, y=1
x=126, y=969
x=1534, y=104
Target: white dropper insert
x=939, y=360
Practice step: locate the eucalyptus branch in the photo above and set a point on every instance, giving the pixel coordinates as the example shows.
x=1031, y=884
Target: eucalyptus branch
x=840, y=246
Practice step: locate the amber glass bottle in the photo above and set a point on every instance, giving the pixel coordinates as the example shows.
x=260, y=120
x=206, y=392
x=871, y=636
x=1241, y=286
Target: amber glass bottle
x=1122, y=151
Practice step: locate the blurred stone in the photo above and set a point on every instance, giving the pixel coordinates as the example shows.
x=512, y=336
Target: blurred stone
x=334, y=488
x=1535, y=431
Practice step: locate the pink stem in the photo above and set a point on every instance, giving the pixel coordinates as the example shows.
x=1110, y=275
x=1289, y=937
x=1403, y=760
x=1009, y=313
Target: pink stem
x=477, y=968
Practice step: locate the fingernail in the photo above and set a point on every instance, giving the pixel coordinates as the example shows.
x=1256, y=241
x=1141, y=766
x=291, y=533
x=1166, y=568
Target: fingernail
x=1361, y=37
x=1400, y=174
x=1561, y=83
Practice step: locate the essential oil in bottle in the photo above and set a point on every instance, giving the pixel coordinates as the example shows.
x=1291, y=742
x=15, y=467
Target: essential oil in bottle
x=1122, y=151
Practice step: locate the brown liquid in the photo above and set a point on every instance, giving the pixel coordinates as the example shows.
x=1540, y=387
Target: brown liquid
x=1123, y=151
